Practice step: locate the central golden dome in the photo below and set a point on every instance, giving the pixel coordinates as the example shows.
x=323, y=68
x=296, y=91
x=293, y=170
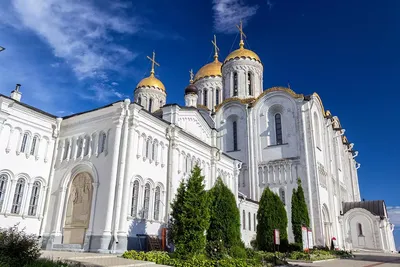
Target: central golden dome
x=151, y=81
x=211, y=69
x=242, y=53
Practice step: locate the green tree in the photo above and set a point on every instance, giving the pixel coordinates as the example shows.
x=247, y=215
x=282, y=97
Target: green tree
x=224, y=216
x=299, y=212
x=194, y=218
x=271, y=215
x=176, y=225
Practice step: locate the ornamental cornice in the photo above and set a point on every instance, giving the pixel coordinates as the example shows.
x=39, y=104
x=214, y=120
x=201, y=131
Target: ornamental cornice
x=280, y=89
x=214, y=84
x=233, y=65
x=243, y=101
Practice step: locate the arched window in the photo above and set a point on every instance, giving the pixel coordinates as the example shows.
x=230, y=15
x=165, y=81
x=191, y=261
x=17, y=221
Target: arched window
x=87, y=146
x=135, y=197
x=205, y=97
x=23, y=143
x=33, y=146
x=139, y=100
x=188, y=163
x=317, y=131
x=102, y=142
x=278, y=129
x=150, y=104
x=254, y=221
x=66, y=149
x=282, y=195
x=359, y=229
x=217, y=97
x=154, y=151
x=33, y=203
x=244, y=220
x=3, y=188
x=235, y=140
x=235, y=84
x=148, y=144
x=249, y=221
x=19, y=193
x=80, y=146
x=146, y=202
x=249, y=85
x=157, y=197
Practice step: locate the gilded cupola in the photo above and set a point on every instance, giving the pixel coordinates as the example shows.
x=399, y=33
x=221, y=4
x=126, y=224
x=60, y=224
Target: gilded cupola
x=242, y=52
x=151, y=81
x=211, y=69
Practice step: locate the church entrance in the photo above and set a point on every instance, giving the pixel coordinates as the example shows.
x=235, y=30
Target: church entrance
x=77, y=216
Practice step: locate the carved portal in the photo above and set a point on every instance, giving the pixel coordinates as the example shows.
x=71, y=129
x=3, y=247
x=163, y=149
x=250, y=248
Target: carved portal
x=77, y=216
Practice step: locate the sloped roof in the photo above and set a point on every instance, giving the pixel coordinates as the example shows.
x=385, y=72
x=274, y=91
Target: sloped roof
x=376, y=207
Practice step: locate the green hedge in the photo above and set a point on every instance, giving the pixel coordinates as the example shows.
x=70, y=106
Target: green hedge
x=199, y=261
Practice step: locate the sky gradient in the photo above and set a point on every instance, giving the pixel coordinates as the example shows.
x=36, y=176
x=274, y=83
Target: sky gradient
x=80, y=55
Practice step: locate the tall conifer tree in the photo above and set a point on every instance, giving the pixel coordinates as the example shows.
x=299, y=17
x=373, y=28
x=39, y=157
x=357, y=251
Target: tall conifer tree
x=271, y=215
x=224, y=216
x=299, y=212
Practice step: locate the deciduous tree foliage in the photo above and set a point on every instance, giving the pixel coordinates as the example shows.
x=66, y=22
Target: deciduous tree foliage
x=299, y=212
x=271, y=215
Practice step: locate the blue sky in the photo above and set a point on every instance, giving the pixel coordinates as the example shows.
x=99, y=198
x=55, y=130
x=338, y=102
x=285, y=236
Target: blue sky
x=71, y=56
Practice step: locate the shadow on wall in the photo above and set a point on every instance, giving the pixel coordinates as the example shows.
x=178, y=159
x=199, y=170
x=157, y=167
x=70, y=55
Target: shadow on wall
x=137, y=227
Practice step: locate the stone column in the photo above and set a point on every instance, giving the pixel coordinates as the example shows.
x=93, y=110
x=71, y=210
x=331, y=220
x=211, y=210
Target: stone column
x=105, y=239
x=123, y=227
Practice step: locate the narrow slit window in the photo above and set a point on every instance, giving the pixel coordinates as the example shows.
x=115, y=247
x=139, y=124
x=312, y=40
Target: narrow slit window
x=150, y=104
x=23, y=143
x=217, y=97
x=235, y=84
x=249, y=221
x=33, y=147
x=360, y=230
x=146, y=202
x=205, y=98
x=249, y=85
x=3, y=188
x=244, y=220
x=235, y=141
x=278, y=129
x=157, y=204
x=18, y=195
x=102, y=142
x=135, y=196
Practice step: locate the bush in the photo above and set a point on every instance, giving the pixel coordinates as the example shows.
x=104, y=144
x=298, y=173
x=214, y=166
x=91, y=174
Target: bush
x=299, y=212
x=196, y=261
x=238, y=252
x=295, y=247
x=216, y=250
x=17, y=248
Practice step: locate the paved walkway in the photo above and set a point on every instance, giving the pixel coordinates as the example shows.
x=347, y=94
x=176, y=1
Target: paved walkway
x=362, y=259
x=96, y=259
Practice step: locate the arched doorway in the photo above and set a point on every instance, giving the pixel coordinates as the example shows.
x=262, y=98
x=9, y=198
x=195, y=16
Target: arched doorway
x=77, y=216
x=327, y=225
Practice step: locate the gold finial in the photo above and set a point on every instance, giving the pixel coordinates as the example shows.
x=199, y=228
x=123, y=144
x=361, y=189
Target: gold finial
x=216, y=49
x=240, y=27
x=153, y=62
x=191, y=75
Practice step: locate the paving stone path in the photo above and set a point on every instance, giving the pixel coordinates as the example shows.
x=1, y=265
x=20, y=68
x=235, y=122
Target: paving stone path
x=96, y=259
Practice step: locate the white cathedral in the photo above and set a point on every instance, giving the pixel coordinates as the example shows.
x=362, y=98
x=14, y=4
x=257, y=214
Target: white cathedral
x=100, y=180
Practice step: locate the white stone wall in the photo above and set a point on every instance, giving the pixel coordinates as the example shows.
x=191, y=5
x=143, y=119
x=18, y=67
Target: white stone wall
x=210, y=91
x=24, y=162
x=242, y=67
x=248, y=220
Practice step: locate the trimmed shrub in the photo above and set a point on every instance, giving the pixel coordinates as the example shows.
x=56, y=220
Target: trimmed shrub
x=271, y=215
x=176, y=226
x=216, y=250
x=238, y=252
x=299, y=212
x=224, y=216
x=17, y=248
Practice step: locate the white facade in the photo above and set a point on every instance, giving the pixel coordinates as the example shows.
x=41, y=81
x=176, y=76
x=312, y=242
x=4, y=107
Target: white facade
x=95, y=180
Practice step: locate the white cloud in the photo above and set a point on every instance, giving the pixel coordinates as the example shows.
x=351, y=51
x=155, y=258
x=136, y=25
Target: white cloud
x=228, y=13
x=394, y=215
x=79, y=33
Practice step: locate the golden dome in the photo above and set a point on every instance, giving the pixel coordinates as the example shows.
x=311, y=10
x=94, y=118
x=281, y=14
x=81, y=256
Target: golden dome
x=242, y=53
x=211, y=69
x=151, y=81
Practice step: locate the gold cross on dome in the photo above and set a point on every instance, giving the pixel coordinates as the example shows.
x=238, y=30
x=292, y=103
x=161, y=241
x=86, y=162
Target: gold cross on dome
x=240, y=27
x=191, y=76
x=216, y=48
x=153, y=62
